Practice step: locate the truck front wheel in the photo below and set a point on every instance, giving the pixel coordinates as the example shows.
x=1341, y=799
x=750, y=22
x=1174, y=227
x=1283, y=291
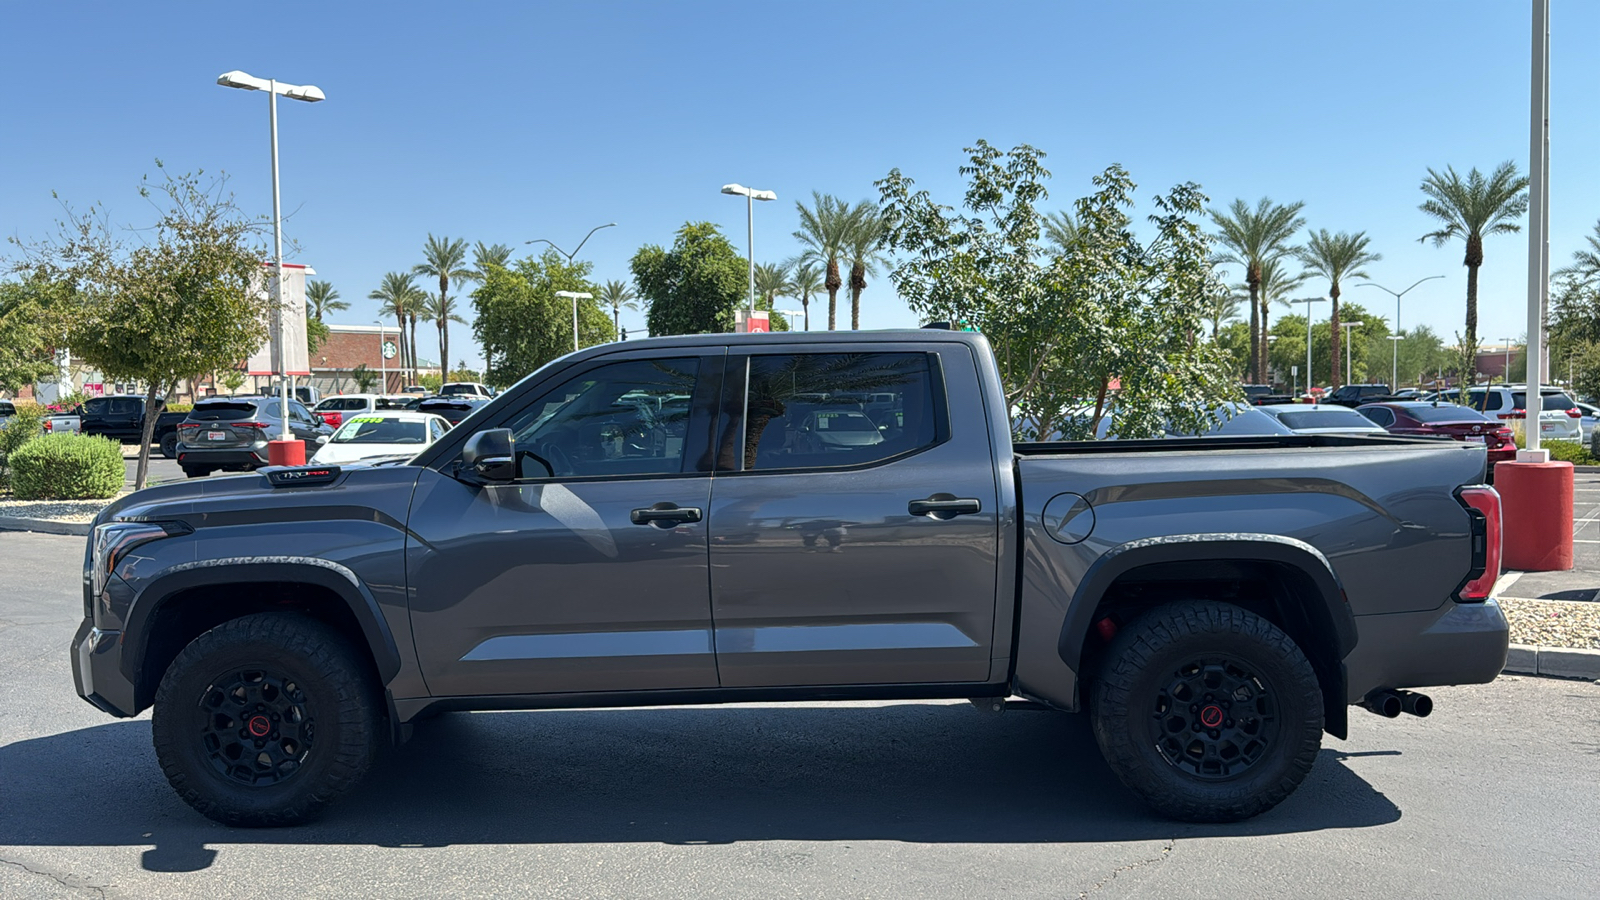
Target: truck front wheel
x=1207, y=712
x=264, y=720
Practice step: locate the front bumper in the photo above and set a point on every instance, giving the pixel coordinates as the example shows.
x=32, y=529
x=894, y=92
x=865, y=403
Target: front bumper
x=1458, y=643
x=97, y=670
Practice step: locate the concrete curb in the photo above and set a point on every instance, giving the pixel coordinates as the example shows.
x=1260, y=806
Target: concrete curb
x=43, y=526
x=1586, y=469
x=1553, y=662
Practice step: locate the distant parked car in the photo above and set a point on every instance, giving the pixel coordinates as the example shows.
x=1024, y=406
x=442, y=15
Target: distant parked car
x=121, y=418
x=1303, y=418
x=1419, y=419
x=1591, y=415
x=467, y=388
x=334, y=410
x=1236, y=420
x=1559, y=416
x=1353, y=395
x=7, y=410
x=232, y=433
x=453, y=409
x=374, y=434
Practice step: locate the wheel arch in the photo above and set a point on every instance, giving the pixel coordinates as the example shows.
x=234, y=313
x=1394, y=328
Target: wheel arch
x=182, y=604
x=1287, y=581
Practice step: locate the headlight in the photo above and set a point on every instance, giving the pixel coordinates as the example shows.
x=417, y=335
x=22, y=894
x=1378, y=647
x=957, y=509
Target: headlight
x=113, y=540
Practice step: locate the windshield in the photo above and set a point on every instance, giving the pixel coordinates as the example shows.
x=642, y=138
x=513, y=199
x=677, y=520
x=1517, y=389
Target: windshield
x=380, y=430
x=449, y=389
x=1434, y=415
x=1325, y=418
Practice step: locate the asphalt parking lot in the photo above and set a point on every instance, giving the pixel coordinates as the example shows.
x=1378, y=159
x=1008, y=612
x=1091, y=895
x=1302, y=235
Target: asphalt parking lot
x=1493, y=796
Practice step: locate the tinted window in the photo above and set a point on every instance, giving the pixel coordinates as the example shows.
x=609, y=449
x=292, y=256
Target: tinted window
x=378, y=430
x=1379, y=415
x=342, y=404
x=214, y=412
x=97, y=406
x=816, y=409
x=1435, y=414
x=6, y=409
x=1555, y=400
x=1325, y=418
x=627, y=418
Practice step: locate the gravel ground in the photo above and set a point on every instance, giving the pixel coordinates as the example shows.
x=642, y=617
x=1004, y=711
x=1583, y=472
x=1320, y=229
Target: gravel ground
x=1554, y=623
x=54, y=510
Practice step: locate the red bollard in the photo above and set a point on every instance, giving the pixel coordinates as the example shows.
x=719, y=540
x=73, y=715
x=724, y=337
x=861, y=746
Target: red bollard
x=293, y=453
x=1535, y=515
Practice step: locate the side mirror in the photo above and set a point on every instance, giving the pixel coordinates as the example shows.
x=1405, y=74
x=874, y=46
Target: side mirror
x=489, y=456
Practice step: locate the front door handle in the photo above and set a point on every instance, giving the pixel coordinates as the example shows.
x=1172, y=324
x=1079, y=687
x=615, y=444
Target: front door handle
x=944, y=506
x=665, y=514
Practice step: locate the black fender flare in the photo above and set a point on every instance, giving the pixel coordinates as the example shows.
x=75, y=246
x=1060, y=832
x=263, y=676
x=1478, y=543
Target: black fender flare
x=309, y=570
x=1331, y=616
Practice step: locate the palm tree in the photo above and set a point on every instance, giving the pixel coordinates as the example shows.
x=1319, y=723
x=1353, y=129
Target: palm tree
x=1061, y=231
x=805, y=279
x=863, y=249
x=1222, y=308
x=824, y=232
x=619, y=296
x=443, y=259
x=1251, y=238
x=440, y=311
x=1336, y=257
x=1471, y=209
x=322, y=298
x=1585, y=267
x=488, y=256
x=398, y=294
x=1275, y=286
x=771, y=280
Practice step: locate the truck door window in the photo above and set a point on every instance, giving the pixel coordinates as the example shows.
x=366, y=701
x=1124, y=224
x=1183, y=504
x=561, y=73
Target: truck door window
x=626, y=418
x=812, y=410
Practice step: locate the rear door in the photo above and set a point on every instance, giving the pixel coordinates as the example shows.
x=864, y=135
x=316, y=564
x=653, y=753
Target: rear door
x=854, y=530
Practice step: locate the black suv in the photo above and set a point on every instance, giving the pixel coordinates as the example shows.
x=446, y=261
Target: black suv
x=232, y=433
x=454, y=408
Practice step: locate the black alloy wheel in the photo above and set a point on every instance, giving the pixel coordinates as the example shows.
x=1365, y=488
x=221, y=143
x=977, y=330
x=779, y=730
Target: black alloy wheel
x=1217, y=717
x=257, y=726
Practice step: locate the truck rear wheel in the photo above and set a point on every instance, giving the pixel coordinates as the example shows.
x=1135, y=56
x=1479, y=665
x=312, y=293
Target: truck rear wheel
x=265, y=720
x=1207, y=712
x=169, y=445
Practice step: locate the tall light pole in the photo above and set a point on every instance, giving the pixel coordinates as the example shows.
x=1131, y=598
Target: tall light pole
x=750, y=195
x=1538, y=228
x=574, y=253
x=383, y=354
x=1505, y=377
x=1347, y=326
x=1394, y=364
x=575, y=296
x=1308, y=301
x=310, y=94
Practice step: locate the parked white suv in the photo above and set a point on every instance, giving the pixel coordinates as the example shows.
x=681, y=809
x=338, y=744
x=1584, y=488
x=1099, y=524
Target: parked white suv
x=1559, y=417
x=465, y=388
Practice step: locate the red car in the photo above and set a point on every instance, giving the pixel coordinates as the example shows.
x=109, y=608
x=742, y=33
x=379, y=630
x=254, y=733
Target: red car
x=1459, y=422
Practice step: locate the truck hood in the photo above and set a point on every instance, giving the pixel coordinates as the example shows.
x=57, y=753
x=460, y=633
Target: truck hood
x=384, y=490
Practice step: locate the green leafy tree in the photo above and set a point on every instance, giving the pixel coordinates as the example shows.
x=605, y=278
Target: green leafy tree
x=825, y=235
x=186, y=299
x=33, y=320
x=1252, y=238
x=862, y=251
x=316, y=334
x=233, y=379
x=1585, y=365
x=694, y=287
x=400, y=297
x=805, y=281
x=1065, y=328
x=443, y=259
x=1336, y=257
x=1275, y=286
x=1234, y=341
x=771, y=281
x=522, y=324
x=364, y=378
x=619, y=296
x=1471, y=209
x=321, y=298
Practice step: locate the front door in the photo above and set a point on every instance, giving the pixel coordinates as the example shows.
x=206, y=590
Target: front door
x=588, y=576
x=854, y=533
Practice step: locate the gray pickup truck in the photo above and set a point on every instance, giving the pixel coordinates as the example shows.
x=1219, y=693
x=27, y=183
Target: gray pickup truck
x=725, y=518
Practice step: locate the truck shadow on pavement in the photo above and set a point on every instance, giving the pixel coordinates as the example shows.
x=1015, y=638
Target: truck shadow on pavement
x=933, y=773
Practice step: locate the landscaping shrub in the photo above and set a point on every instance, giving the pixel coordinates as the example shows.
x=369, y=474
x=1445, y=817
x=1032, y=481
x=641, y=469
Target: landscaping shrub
x=21, y=428
x=1568, y=451
x=67, y=467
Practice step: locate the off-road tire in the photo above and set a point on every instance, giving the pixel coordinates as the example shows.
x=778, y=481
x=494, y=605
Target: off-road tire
x=169, y=445
x=1165, y=753
x=315, y=672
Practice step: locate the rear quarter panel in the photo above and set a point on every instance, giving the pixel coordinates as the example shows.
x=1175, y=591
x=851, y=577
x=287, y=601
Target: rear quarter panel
x=1385, y=517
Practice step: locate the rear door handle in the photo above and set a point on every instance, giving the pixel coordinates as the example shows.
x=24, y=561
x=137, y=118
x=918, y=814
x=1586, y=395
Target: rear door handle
x=665, y=514
x=944, y=506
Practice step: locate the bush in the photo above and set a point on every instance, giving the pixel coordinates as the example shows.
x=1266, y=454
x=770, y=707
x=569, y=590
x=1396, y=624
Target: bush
x=1568, y=451
x=21, y=428
x=67, y=467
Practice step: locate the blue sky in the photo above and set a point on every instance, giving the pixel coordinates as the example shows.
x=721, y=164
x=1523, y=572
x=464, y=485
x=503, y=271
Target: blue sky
x=503, y=122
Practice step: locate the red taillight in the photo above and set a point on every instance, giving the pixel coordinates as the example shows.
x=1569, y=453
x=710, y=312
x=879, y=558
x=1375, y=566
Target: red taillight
x=1514, y=414
x=48, y=425
x=260, y=425
x=1575, y=413
x=1485, y=540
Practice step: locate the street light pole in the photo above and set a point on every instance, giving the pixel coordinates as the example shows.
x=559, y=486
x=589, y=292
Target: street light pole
x=1347, y=326
x=575, y=296
x=1394, y=364
x=310, y=94
x=750, y=195
x=383, y=361
x=1308, y=301
x=1505, y=377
